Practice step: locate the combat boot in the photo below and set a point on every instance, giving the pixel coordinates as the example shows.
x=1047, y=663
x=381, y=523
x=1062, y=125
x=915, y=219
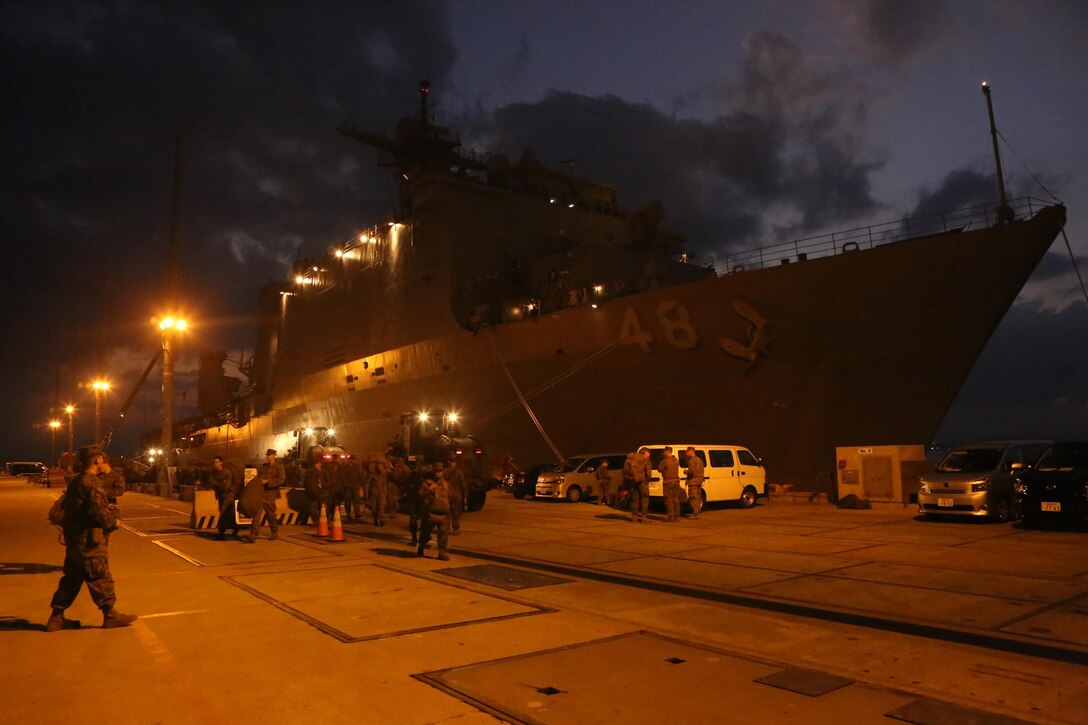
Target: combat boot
x=443, y=556
x=112, y=619
x=273, y=536
x=419, y=550
x=57, y=621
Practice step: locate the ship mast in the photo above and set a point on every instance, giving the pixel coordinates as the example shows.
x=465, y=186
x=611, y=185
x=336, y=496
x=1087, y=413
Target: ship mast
x=1004, y=213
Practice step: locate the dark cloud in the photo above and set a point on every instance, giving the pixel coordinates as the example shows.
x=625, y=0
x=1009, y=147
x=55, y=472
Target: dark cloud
x=790, y=141
x=959, y=189
x=94, y=94
x=898, y=32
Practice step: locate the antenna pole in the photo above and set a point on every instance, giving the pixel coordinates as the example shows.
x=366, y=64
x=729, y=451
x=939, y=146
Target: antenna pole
x=1004, y=213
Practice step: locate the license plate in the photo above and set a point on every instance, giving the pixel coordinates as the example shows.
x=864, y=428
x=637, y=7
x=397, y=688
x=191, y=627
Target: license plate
x=945, y=503
x=1055, y=506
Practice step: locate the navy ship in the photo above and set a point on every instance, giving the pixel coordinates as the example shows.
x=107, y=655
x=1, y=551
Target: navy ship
x=554, y=322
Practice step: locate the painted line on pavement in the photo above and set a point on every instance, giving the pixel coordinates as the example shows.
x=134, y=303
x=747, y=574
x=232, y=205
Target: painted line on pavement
x=172, y=550
x=173, y=614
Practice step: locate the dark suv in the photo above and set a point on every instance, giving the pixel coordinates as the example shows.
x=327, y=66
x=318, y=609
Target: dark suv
x=1056, y=487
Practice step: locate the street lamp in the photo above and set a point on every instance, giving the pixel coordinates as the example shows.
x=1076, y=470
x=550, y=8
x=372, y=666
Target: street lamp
x=70, y=410
x=53, y=425
x=169, y=326
x=100, y=387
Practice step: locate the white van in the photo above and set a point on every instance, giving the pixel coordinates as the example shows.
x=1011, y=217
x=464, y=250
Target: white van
x=732, y=472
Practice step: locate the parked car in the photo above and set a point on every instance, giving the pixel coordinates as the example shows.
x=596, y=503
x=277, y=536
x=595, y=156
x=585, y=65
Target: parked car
x=577, y=477
x=1056, y=487
x=733, y=473
x=977, y=480
x=27, y=468
x=525, y=481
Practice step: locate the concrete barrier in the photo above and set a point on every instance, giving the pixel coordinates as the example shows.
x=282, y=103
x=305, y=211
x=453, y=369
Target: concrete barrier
x=205, y=511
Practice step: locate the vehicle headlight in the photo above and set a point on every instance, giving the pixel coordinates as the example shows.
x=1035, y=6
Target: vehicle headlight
x=923, y=487
x=980, y=485
x=560, y=479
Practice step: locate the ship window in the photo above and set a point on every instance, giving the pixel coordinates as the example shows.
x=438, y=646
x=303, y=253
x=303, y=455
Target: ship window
x=721, y=459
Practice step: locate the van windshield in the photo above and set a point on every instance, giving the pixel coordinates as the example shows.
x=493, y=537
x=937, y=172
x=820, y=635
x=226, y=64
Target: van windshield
x=970, y=460
x=571, y=464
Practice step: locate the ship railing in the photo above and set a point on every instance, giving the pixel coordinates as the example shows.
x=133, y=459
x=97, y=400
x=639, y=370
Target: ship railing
x=867, y=237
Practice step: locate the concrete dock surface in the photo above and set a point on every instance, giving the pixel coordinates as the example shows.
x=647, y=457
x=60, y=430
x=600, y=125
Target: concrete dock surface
x=551, y=612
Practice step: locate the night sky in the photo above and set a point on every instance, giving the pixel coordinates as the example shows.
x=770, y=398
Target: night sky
x=751, y=122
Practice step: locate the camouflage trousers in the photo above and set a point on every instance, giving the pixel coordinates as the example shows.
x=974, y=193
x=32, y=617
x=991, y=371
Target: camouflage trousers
x=92, y=569
x=441, y=529
x=671, y=490
x=695, y=498
x=377, y=502
x=602, y=495
x=640, y=499
x=226, y=515
x=457, y=507
x=267, y=513
x=352, y=503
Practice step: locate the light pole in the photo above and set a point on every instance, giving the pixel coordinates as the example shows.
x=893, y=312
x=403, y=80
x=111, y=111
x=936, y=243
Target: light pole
x=70, y=410
x=100, y=387
x=53, y=425
x=169, y=327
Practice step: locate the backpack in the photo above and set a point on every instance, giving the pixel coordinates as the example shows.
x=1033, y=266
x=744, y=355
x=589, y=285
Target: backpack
x=56, y=511
x=440, y=504
x=56, y=516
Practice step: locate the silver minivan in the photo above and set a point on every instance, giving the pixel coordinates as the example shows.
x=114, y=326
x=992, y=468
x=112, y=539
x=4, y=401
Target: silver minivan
x=977, y=480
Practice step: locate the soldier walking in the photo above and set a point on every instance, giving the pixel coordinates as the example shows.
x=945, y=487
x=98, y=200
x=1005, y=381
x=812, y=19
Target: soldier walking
x=695, y=474
x=88, y=520
x=226, y=492
x=376, y=498
x=604, y=482
x=271, y=476
x=353, y=479
x=316, y=484
x=435, y=507
x=334, y=484
x=455, y=480
x=636, y=474
x=670, y=480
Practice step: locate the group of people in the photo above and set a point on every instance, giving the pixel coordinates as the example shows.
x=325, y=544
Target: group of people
x=436, y=495
x=637, y=470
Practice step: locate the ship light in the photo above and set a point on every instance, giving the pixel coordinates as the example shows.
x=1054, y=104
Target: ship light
x=598, y=288
x=422, y=417
x=299, y=279
x=479, y=451
x=570, y=205
x=339, y=253
x=594, y=305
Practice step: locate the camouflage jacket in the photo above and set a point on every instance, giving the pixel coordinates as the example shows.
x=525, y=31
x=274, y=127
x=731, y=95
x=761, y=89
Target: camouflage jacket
x=88, y=514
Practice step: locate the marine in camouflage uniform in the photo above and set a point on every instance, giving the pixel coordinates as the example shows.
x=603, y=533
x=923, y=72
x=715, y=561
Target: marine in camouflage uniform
x=604, y=482
x=670, y=484
x=455, y=479
x=376, y=495
x=432, y=493
x=89, y=518
x=353, y=480
x=334, y=483
x=226, y=492
x=636, y=473
x=271, y=476
x=696, y=476
x=316, y=485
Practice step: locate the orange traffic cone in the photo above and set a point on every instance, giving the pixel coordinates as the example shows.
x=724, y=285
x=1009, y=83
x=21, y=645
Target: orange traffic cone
x=323, y=523
x=337, y=527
